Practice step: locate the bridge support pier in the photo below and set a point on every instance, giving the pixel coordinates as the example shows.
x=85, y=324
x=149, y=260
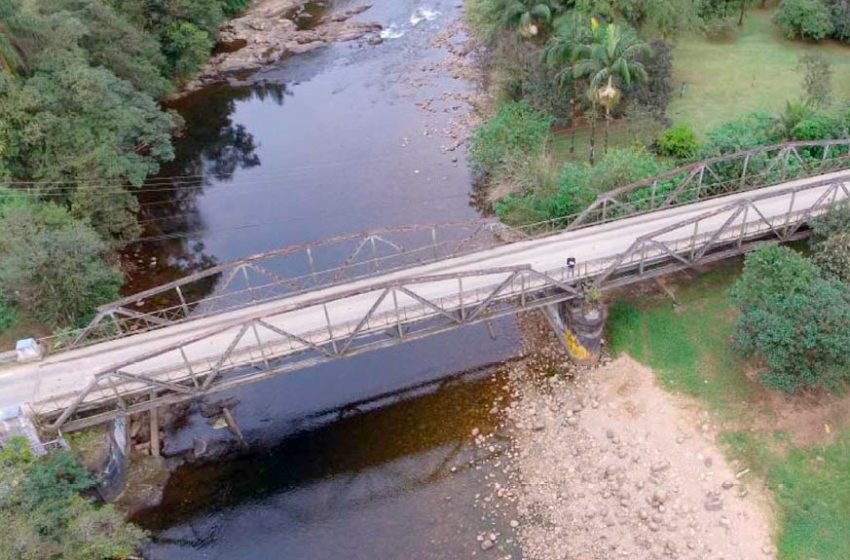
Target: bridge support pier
x=578, y=325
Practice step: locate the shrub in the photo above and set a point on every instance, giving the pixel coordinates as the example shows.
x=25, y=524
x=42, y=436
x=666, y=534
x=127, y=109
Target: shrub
x=804, y=19
x=721, y=29
x=515, y=134
x=755, y=129
x=817, y=80
x=519, y=76
x=679, y=141
x=44, y=517
x=832, y=255
x=8, y=315
x=835, y=221
x=818, y=126
x=840, y=16
x=830, y=242
x=578, y=186
x=793, y=319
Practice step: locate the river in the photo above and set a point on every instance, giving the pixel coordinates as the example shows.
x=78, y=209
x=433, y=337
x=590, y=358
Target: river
x=342, y=139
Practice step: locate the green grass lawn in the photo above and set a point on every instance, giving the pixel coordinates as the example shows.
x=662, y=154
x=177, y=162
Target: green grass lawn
x=688, y=346
x=725, y=80
x=755, y=71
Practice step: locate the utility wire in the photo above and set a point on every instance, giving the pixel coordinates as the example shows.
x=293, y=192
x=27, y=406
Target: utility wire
x=178, y=182
x=206, y=231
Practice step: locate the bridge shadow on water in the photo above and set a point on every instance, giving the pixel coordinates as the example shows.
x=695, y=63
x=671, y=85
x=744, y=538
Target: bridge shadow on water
x=373, y=478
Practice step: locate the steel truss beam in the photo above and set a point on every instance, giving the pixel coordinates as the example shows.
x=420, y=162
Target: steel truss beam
x=387, y=249
x=401, y=310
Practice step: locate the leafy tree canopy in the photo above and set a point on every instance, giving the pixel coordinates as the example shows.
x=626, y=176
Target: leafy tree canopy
x=52, y=264
x=43, y=516
x=792, y=318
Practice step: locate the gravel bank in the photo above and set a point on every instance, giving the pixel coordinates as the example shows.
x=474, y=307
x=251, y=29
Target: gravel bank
x=608, y=465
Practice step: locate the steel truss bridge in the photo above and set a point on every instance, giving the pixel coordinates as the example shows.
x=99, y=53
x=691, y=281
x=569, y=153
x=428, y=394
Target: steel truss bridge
x=356, y=294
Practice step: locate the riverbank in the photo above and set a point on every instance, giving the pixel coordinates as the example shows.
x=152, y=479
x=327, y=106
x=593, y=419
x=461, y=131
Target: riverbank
x=608, y=465
x=272, y=30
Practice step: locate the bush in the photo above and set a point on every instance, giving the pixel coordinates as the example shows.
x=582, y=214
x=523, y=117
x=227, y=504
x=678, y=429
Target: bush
x=840, y=17
x=755, y=129
x=832, y=255
x=830, y=242
x=679, y=141
x=804, y=19
x=578, y=186
x=818, y=126
x=503, y=143
x=721, y=29
x=43, y=517
x=8, y=315
x=519, y=75
x=793, y=319
x=835, y=221
x=52, y=264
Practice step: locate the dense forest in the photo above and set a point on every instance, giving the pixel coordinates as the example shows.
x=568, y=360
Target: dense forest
x=81, y=126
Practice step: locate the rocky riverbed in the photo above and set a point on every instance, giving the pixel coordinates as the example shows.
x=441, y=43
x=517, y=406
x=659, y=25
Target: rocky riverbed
x=271, y=30
x=605, y=464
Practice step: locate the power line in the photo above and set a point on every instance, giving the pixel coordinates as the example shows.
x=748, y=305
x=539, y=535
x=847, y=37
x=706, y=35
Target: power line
x=189, y=234
x=178, y=182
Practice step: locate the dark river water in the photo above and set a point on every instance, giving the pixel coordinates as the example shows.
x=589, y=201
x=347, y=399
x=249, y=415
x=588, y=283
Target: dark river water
x=370, y=457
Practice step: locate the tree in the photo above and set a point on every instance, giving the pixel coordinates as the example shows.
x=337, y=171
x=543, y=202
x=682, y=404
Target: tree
x=43, y=516
x=52, y=264
x=840, y=16
x=613, y=54
x=139, y=60
x=656, y=92
x=832, y=255
x=71, y=124
x=795, y=112
x=570, y=31
x=530, y=18
x=755, y=129
x=793, y=319
x=804, y=19
x=578, y=185
x=817, y=80
x=830, y=242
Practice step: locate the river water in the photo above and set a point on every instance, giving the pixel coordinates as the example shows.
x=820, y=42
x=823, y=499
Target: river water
x=370, y=457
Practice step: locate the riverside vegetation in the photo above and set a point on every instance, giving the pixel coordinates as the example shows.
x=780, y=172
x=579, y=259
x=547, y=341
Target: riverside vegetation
x=80, y=128
x=43, y=516
x=591, y=95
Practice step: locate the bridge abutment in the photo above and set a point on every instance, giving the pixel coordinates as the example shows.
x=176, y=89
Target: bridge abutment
x=579, y=325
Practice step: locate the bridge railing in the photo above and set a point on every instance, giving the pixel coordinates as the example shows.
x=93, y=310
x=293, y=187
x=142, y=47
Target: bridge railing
x=718, y=176
x=257, y=278
x=265, y=344
x=310, y=266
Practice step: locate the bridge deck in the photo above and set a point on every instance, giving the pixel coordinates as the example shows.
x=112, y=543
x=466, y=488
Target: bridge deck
x=325, y=317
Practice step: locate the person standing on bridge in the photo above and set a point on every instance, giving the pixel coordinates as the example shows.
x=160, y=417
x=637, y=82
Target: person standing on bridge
x=571, y=267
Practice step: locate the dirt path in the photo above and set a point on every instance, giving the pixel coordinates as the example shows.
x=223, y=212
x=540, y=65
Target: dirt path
x=611, y=466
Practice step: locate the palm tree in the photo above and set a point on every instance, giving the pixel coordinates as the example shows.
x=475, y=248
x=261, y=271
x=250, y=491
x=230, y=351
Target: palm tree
x=613, y=54
x=570, y=31
x=527, y=16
